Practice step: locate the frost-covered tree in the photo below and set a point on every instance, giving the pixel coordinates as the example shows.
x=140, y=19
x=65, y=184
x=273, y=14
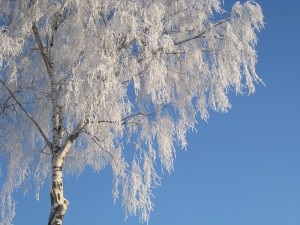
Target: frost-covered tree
x=113, y=83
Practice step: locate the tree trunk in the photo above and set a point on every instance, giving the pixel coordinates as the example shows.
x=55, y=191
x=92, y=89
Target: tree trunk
x=59, y=204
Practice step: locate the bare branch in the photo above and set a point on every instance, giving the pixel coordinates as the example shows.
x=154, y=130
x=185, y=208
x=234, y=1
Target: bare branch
x=202, y=33
x=27, y=114
x=144, y=114
x=123, y=120
x=97, y=142
x=42, y=151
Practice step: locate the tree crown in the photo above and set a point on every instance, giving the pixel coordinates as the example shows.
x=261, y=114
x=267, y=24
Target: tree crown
x=129, y=78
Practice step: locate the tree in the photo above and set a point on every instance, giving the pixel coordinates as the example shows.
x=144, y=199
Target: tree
x=118, y=83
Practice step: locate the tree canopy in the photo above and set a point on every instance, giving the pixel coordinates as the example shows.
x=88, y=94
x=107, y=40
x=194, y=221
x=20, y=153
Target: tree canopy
x=114, y=83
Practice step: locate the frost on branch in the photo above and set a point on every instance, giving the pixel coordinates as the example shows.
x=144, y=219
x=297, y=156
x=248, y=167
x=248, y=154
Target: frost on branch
x=115, y=83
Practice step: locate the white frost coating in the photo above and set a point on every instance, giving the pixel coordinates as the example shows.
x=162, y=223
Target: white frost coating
x=9, y=48
x=117, y=83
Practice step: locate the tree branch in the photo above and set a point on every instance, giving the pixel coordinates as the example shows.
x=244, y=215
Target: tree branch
x=123, y=120
x=97, y=142
x=27, y=114
x=57, y=19
x=144, y=114
x=72, y=137
x=42, y=50
x=201, y=34
x=81, y=125
x=137, y=75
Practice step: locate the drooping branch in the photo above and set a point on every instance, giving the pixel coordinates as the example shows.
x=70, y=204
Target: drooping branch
x=27, y=114
x=97, y=142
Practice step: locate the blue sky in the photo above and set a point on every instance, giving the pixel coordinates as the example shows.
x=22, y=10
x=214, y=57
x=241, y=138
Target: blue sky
x=241, y=168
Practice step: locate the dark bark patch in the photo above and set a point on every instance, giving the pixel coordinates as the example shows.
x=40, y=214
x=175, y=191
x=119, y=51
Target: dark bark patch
x=57, y=167
x=52, y=198
x=60, y=216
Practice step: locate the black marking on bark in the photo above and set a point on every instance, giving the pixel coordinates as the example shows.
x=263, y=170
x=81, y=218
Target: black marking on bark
x=52, y=214
x=73, y=137
x=56, y=150
x=52, y=197
x=57, y=167
x=59, y=128
x=53, y=184
x=60, y=216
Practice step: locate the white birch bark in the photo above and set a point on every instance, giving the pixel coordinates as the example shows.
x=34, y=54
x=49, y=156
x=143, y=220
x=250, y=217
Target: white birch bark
x=59, y=203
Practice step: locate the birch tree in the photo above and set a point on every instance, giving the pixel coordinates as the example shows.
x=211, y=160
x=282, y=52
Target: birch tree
x=113, y=83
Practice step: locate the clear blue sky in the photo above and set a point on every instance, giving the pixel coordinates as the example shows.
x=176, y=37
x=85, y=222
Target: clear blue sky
x=241, y=168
